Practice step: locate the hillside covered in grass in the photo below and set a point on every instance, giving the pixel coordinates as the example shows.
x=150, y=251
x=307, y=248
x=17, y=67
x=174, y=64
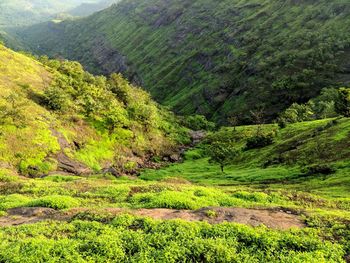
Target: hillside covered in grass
x=218, y=59
x=314, y=153
x=55, y=116
x=293, y=210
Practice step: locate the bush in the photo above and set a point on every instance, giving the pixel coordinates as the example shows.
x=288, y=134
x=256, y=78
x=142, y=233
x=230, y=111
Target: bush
x=12, y=201
x=194, y=154
x=132, y=239
x=55, y=202
x=55, y=99
x=324, y=169
x=259, y=141
x=6, y=178
x=198, y=122
x=342, y=105
x=35, y=167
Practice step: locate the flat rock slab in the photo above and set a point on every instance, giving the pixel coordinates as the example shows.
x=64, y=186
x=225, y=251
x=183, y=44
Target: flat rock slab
x=214, y=215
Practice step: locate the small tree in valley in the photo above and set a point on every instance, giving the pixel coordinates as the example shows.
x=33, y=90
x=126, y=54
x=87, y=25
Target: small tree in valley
x=233, y=121
x=222, y=153
x=258, y=118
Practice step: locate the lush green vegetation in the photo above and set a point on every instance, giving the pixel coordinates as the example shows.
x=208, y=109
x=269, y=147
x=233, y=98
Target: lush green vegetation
x=129, y=239
x=254, y=179
x=57, y=112
x=93, y=170
x=221, y=60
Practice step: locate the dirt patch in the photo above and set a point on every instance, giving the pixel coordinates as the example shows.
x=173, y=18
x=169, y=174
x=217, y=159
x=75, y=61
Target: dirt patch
x=27, y=215
x=213, y=215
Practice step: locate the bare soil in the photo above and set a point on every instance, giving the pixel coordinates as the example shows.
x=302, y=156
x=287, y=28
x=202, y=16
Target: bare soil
x=254, y=217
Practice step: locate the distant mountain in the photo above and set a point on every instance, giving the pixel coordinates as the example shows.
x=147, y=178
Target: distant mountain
x=218, y=58
x=87, y=9
x=27, y=12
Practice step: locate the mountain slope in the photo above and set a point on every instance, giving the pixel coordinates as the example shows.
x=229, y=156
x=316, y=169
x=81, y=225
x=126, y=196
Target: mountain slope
x=58, y=117
x=86, y=9
x=26, y=12
x=216, y=59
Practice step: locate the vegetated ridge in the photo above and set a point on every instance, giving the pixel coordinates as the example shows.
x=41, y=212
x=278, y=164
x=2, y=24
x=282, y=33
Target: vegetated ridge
x=55, y=116
x=217, y=59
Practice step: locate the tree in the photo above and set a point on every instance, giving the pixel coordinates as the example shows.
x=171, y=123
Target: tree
x=222, y=153
x=233, y=121
x=198, y=122
x=120, y=87
x=342, y=105
x=13, y=110
x=56, y=99
x=258, y=117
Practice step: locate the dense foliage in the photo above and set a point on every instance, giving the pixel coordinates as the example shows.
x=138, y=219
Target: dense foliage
x=214, y=59
x=97, y=121
x=222, y=153
x=342, y=105
x=130, y=239
x=330, y=103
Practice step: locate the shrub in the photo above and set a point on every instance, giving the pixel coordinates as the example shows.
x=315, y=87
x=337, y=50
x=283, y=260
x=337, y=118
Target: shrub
x=55, y=99
x=193, y=154
x=259, y=141
x=35, y=167
x=5, y=178
x=211, y=214
x=251, y=197
x=61, y=178
x=55, y=202
x=12, y=201
x=342, y=105
x=165, y=199
x=324, y=169
x=198, y=122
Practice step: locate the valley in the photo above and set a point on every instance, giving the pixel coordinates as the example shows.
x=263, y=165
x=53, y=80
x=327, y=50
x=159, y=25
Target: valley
x=174, y=131
x=215, y=60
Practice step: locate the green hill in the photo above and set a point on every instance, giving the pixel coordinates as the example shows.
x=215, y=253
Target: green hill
x=86, y=9
x=218, y=59
x=297, y=155
x=28, y=12
x=55, y=116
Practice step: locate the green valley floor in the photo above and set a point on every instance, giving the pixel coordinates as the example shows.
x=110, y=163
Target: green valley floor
x=189, y=211
x=171, y=219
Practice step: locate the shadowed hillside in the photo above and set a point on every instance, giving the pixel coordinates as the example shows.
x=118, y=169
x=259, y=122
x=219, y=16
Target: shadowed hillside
x=215, y=59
